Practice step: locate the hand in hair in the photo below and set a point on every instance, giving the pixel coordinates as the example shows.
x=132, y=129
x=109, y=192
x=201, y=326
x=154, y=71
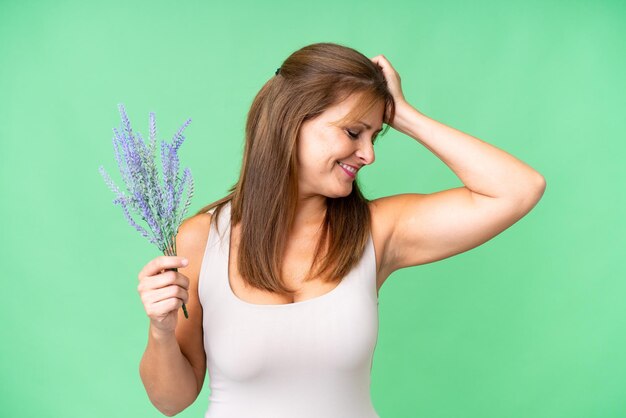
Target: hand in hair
x=392, y=77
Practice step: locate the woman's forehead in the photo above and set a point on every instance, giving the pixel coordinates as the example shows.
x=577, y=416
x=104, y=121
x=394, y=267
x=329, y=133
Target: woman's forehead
x=372, y=119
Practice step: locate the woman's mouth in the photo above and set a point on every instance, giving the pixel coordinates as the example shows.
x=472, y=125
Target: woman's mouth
x=346, y=169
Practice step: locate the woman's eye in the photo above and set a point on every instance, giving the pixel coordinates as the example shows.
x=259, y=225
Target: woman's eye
x=352, y=134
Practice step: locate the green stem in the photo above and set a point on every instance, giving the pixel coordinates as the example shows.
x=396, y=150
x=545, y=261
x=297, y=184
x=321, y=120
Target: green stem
x=171, y=250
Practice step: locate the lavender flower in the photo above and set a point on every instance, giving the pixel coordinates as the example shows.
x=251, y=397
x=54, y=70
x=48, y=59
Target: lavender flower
x=156, y=202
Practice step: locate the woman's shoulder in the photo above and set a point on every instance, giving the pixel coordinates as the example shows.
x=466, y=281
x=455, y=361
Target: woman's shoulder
x=191, y=240
x=380, y=220
x=199, y=219
x=194, y=230
x=380, y=226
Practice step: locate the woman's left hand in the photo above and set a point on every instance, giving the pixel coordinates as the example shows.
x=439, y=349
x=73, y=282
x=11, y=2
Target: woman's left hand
x=404, y=111
x=392, y=77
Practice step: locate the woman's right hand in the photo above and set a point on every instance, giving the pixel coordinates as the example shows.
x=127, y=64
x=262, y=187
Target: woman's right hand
x=163, y=291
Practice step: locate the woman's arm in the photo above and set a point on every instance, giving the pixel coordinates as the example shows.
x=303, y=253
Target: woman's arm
x=173, y=366
x=498, y=190
x=483, y=168
x=166, y=374
x=422, y=228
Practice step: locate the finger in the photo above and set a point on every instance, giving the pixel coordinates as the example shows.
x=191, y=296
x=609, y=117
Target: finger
x=379, y=58
x=161, y=263
x=380, y=63
x=164, y=307
x=165, y=293
x=164, y=279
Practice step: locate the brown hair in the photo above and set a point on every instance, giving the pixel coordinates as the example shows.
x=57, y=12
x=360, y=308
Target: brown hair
x=264, y=199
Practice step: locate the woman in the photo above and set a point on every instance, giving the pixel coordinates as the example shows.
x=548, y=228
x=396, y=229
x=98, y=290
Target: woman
x=285, y=318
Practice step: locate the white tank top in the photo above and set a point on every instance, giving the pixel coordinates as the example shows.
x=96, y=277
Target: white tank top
x=309, y=359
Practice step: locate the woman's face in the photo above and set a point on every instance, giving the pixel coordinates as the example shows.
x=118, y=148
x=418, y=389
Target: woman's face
x=322, y=146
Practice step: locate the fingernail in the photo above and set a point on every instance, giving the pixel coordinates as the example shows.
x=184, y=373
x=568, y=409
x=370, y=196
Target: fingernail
x=185, y=261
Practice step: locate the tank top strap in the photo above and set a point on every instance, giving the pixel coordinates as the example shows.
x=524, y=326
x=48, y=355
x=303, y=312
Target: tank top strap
x=215, y=260
x=365, y=272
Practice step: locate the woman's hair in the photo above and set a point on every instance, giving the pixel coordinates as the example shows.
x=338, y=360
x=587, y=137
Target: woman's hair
x=264, y=200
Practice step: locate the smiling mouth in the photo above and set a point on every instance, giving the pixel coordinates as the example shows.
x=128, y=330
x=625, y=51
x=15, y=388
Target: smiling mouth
x=347, y=171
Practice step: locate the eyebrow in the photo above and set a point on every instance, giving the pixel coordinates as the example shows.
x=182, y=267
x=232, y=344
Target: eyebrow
x=367, y=126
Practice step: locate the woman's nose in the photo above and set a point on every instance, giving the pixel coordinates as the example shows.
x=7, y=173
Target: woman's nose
x=366, y=152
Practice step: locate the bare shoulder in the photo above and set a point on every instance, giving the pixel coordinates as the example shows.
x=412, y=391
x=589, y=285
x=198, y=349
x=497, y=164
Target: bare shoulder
x=194, y=231
x=381, y=227
x=398, y=216
x=191, y=242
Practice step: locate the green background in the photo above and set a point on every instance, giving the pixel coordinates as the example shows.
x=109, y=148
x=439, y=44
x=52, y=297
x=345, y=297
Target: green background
x=530, y=324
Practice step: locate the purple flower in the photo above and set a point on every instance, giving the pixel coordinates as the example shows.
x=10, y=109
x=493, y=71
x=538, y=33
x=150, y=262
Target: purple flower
x=154, y=201
x=157, y=202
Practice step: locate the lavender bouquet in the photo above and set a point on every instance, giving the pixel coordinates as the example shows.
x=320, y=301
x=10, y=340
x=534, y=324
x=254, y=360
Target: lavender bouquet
x=157, y=202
